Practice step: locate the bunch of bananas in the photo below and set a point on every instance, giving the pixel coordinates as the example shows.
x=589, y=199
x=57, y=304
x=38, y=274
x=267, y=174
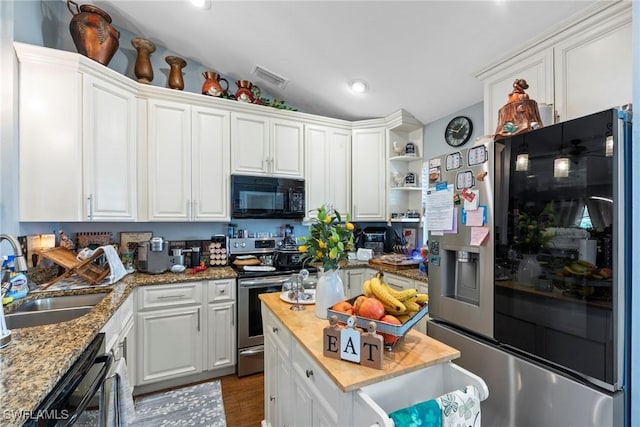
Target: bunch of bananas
x=582, y=268
x=398, y=303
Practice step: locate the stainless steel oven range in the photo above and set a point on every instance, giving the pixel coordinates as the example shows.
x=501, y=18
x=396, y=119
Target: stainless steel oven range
x=253, y=281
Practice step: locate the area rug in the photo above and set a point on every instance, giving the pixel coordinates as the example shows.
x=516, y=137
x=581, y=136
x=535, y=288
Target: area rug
x=197, y=405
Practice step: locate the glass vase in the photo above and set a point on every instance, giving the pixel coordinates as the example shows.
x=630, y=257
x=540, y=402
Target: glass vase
x=529, y=270
x=329, y=291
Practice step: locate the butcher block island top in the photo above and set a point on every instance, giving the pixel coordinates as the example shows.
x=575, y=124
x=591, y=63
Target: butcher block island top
x=415, y=351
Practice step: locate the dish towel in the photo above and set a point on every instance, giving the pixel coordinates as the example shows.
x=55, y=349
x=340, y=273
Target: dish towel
x=460, y=407
x=120, y=398
x=117, y=270
x=423, y=414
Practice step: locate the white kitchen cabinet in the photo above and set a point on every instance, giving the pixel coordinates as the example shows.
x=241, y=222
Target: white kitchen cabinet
x=77, y=126
x=221, y=324
x=277, y=373
x=404, y=199
x=327, y=168
x=169, y=332
x=109, y=151
x=593, y=68
x=352, y=279
x=397, y=282
x=315, y=397
x=423, y=288
x=581, y=68
x=262, y=145
x=368, y=174
x=188, y=162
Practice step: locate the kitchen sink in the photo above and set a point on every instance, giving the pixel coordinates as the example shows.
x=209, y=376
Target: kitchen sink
x=46, y=311
x=61, y=302
x=39, y=318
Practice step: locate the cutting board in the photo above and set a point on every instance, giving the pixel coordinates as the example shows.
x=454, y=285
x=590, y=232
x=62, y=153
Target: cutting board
x=395, y=262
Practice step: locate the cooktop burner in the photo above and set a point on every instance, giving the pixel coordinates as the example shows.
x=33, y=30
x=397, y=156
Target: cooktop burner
x=259, y=252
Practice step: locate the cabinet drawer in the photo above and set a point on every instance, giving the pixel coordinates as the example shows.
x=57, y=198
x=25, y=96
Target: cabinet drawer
x=221, y=290
x=398, y=282
x=273, y=329
x=161, y=296
x=317, y=379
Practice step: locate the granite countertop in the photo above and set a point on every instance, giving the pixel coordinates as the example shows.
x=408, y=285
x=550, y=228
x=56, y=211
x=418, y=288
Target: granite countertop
x=36, y=358
x=415, y=351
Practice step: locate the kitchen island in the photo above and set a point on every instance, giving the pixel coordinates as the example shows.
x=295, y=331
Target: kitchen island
x=302, y=387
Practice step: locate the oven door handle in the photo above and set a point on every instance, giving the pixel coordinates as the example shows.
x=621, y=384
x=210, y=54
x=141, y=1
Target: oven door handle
x=98, y=381
x=259, y=349
x=254, y=283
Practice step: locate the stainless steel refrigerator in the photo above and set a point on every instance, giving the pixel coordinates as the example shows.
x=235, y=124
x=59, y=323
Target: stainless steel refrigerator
x=528, y=269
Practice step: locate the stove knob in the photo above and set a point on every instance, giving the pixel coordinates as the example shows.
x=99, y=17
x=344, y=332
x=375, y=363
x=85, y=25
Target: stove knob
x=236, y=245
x=243, y=244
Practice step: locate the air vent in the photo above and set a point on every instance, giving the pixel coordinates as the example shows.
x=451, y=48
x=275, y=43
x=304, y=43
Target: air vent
x=270, y=77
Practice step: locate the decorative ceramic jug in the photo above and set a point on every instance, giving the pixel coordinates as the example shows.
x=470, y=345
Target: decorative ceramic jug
x=329, y=291
x=175, y=73
x=212, y=84
x=143, y=69
x=247, y=91
x=92, y=32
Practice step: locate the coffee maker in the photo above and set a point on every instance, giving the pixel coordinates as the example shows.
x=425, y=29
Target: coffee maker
x=153, y=256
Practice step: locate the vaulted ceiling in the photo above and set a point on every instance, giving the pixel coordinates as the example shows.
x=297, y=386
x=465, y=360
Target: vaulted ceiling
x=416, y=55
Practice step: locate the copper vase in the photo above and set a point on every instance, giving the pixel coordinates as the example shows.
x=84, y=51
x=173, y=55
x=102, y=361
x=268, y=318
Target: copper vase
x=92, y=32
x=143, y=69
x=212, y=84
x=247, y=91
x=175, y=73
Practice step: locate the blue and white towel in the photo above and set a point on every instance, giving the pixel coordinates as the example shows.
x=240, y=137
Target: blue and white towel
x=460, y=408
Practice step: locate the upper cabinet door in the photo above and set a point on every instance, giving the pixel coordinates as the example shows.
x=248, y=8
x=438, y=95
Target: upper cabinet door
x=593, y=69
x=368, y=174
x=50, y=139
x=327, y=168
x=264, y=146
x=287, y=151
x=210, y=163
x=169, y=160
x=249, y=144
x=109, y=157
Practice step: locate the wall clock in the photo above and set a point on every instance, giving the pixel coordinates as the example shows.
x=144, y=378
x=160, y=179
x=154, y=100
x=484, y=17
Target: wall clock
x=458, y=131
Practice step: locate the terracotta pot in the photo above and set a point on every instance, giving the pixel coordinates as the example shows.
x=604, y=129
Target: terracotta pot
x=143, y=69
x=175, y=74
x=247, y=91
x=212, y=84
x=92, y=32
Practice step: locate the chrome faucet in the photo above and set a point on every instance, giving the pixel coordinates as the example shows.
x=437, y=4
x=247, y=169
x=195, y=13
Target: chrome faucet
x=20, y=261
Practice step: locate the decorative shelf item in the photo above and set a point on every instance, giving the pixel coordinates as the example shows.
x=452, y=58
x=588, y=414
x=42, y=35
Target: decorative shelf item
x=143, y=69
x=176, y=81
x=92, y=32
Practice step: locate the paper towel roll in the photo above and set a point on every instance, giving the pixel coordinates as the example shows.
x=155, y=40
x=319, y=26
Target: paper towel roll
x=587, y=250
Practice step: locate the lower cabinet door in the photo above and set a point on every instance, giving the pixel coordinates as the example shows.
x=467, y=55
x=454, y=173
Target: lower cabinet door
x=221, y=337
x=169, y=344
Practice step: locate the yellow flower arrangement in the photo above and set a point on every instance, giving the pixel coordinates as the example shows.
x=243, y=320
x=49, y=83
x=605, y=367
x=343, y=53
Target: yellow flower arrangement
x=329, y=239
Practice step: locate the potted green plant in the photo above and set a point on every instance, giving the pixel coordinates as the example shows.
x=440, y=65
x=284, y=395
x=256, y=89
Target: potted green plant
x=329, y=241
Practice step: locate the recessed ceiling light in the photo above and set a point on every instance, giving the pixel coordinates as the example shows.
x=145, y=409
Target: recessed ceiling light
x=202, y=4
x=359, y=86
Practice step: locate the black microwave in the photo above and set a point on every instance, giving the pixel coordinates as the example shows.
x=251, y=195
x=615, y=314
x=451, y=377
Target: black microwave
x=266, y=197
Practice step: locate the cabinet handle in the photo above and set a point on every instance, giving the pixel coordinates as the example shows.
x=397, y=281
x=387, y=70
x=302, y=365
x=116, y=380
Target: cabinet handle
x=90, y=206
x=171, y=296
x=272, y=398
x=198, y=319
x=309, y=373
x=222, y=291
x=124, y=349
x=274, y=329
x=233, y=317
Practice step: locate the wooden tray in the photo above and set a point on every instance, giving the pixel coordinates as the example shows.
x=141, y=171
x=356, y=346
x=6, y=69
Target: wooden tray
x=395, y=263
